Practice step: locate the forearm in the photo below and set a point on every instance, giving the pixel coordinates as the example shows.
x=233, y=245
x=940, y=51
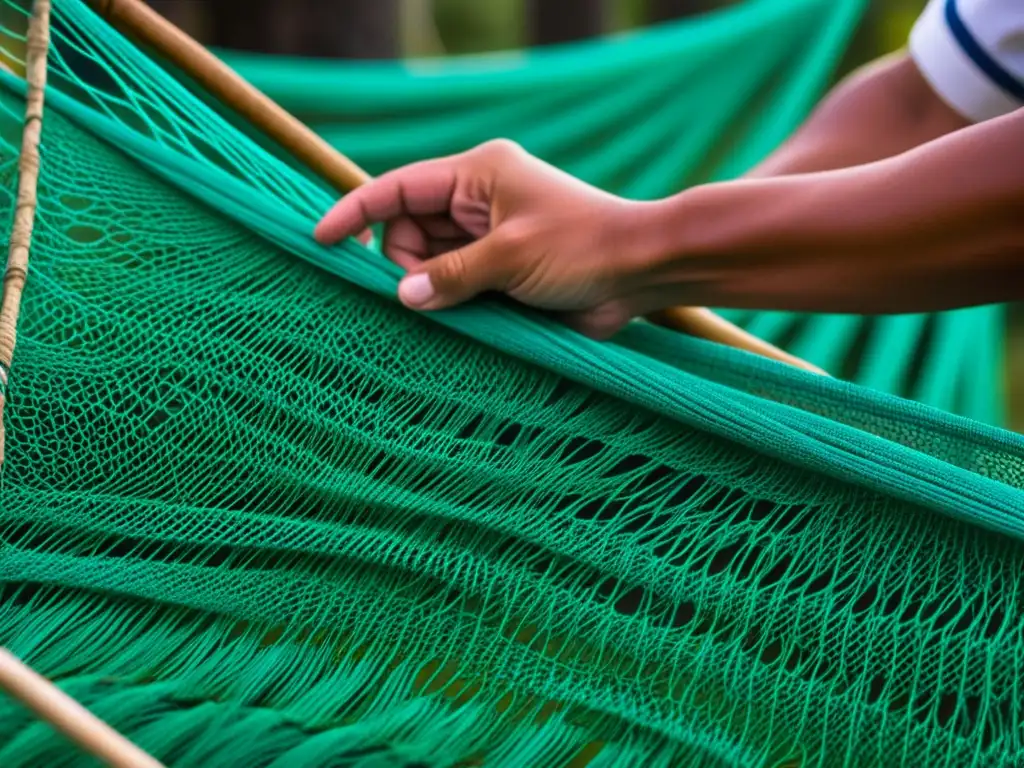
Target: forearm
x=881, y=110
x=939, y=227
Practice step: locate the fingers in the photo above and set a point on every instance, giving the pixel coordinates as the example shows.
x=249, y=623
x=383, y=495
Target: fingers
x=408, y=241
x=456, y=276
x=442, y=227
x=417, y=189
x=405, y=243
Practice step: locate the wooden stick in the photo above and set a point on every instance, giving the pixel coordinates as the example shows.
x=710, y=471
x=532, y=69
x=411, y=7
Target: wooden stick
x=16, y=271
x=137, y=19
x=68, y=716
x=707, y=325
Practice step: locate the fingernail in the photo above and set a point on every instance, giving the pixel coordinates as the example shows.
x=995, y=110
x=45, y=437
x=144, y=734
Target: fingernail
x=416, y=290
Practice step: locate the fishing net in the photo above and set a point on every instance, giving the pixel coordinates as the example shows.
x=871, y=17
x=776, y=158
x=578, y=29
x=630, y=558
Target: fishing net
x=255, y=513
x=645, y=115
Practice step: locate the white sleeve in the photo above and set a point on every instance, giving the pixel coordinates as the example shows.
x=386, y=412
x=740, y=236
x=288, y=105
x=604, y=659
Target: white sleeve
x=972, y=54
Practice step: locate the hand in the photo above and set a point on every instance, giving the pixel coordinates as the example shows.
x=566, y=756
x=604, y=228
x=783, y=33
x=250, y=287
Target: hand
x=497, y=219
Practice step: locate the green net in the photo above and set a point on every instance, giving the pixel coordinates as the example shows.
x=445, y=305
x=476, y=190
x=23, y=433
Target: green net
x=255, y=513
x=645, y=115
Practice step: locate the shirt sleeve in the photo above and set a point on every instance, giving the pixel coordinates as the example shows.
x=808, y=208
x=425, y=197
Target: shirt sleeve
x=971, y=52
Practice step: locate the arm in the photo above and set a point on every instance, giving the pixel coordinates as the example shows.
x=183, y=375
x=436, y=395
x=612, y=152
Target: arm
x=888, y=199
x=881, y=110
x=938, y=227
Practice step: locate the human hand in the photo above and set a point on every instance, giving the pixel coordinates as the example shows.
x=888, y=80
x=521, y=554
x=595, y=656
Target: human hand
x=497, y=219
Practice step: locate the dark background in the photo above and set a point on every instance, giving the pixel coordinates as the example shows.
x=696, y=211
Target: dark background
x=368, y=29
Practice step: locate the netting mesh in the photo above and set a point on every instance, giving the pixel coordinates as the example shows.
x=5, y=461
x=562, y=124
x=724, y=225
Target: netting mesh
x=256, y=514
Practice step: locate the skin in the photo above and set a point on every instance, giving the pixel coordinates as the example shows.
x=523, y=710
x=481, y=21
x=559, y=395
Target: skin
x=884, y=201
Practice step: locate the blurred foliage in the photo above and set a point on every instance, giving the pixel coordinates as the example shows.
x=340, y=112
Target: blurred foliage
x=472, y=26
x=898, y=17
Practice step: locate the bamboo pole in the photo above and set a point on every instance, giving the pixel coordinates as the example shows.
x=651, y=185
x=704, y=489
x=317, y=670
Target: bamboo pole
x=707, y=325
x=134, y=18
x=68, y=716
x=16, y=271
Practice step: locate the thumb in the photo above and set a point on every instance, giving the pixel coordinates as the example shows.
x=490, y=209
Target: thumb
x=455, y=277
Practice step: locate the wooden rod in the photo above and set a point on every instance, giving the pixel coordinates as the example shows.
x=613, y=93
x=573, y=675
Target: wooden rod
x=69, y=717
x=707, y=325
x=135, y=18
x=16, y=271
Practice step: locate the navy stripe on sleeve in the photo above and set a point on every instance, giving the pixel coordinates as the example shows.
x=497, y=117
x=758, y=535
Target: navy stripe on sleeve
x=996, y=73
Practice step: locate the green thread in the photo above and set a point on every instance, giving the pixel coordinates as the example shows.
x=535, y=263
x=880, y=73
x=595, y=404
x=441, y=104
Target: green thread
x=472, y=538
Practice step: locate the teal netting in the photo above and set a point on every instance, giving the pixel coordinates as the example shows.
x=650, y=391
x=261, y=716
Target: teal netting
x=255, y=513
x=646, y=115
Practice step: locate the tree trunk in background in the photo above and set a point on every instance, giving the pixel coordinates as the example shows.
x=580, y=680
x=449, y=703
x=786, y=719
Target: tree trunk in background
x=191, y=16
x=560, y=21
x=240, y=25
x=666, y=10
x=347, y=29
x=350, y=29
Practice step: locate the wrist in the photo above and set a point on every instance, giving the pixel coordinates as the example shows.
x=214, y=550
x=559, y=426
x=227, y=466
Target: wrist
x=704, y=246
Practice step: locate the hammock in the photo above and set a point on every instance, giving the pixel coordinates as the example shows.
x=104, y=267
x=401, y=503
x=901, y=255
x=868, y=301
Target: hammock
x=645, y=115
x=255, y=513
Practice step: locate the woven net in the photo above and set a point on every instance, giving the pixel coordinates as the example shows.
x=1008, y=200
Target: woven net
x=254, y=513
